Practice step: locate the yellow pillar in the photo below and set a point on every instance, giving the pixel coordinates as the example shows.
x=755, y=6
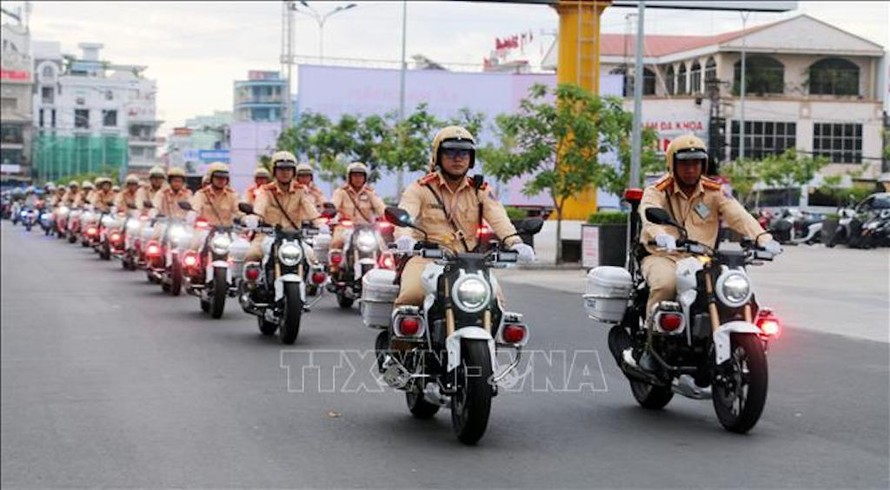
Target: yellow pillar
x=579, y=63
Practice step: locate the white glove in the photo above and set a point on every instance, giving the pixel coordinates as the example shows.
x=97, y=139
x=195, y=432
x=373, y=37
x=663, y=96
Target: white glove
x=526, y=253
x=665, y=241
x=250, y=221
x=773, y=247
x=324, y=229
x=405, y=244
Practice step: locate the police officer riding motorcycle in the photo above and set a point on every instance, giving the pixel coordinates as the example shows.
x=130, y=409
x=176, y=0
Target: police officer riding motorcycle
x=169, y=236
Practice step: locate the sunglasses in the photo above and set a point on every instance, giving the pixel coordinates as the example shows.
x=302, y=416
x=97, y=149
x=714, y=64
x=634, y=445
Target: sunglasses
x=456, y=152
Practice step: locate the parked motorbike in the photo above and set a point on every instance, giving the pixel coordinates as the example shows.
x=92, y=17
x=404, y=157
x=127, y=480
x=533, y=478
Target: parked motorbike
x=275, y=289
x=215, y=271
x=363, y=250
x=876, y=230
x=711, y=342
x=444, y=354
x=804, y=227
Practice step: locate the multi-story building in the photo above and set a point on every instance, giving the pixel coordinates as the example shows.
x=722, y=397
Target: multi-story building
x=15, y=117
x=91, y=115
x=809, y=86
x=261, y=97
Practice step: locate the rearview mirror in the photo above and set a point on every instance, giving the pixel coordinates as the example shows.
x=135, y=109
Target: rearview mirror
x=245, y=208
x=659, y=216
x=397, y=216
x=530, y=226
x=185, y=205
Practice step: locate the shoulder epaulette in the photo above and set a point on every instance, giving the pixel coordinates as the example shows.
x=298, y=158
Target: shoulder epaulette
x=268, y=187
x=428, y=178
x=710, y=184
x=664, y=183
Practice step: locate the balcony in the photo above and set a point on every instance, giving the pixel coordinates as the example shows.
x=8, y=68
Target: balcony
x=259, y=101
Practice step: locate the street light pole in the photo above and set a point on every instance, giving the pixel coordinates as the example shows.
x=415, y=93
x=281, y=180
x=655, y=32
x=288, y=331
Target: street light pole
x=400, y=182
x=320, y=20
x=742, y=89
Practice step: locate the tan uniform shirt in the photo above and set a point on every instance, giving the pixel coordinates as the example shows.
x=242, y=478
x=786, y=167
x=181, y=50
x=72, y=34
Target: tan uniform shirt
x=699, y=214
x=462, y=204
x=124, y=199
x=370, y=206
x=218, y=207
x=251, y=193
x=101, y=200
x=317, y=196
x=147, y=194
x=70, y=197
x=166, y=202
x=293, y=200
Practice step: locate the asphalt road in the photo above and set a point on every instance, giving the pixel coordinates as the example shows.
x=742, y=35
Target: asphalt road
x=107, y=382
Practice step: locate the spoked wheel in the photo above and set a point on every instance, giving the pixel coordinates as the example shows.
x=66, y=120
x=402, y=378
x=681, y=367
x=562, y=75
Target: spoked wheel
x=739, y=390
x=471, y=402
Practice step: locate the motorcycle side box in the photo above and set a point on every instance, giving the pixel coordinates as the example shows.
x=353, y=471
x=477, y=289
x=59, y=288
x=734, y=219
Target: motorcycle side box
x=378, y=295
x=321, y=245
x=607, y=292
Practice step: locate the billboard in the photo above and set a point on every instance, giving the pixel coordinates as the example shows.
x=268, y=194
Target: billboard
x=16, y=63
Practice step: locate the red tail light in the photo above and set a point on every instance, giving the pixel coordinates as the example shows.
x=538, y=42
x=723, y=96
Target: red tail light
x=318, y=277
x=768, y=323
x=336, y=259
x=384, y=226
x=483, y=231
x=386, y=262
x=115, y=237
x=346, y=223
x=514, y=334
x=252, y=274
x=670, y=321
x=153, y=249
x=92, y=231
x=190, y=259
x=409, y=326
x=202, y=224
x=633, y=195
x=143, y=218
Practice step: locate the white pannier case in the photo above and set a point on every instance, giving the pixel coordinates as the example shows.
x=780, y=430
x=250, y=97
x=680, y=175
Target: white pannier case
x=378, y=295
x=608, y=289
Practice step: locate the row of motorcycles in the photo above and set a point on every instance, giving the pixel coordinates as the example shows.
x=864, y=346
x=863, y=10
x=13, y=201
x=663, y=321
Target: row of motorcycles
x=710, y=343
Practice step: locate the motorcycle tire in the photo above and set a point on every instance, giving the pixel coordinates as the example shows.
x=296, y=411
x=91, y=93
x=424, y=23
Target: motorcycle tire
x=417, y=404
x=649, y=396
x=343, y=301
x=220, y=291
x=747, y=354
x=175, y=277
x=471, y=404
x=266, y=328
x=27, y=226
x=105, y=252
x=289, y=327
x=205, y=306
x=72, y=238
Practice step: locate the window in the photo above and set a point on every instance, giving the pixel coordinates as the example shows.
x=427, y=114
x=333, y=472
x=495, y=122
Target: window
x=48, y=72
x=46, y=95
x=695, y=78
x=81, y=118
x=763, y=138
x=681, y=80
x=669, y=80
x=80, y=101
x=40, y=119
x=109, y=95
x=12, y=133
x=711, y=69
x=834, y=76
x=109, y=118
x=53, y=123
x=763, y=75
x=840, y=143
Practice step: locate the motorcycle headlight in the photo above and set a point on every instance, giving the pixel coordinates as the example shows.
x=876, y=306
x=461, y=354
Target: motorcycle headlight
x=290, y=254
x=220, y=244
x=471, y=293
x=133, y=226
x=64, y=210
x=733, y=288
x=107, y=221
x=177, y=233
x=366, y=242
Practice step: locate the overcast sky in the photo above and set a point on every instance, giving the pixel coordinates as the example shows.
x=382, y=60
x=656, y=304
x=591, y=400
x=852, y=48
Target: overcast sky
x=195, y=50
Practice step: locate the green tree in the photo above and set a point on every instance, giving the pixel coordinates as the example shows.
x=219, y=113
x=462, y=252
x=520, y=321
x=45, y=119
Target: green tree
x=494, y=156
x=743, y=174
x=789, y=169
x=408, y=148
x=558, y=146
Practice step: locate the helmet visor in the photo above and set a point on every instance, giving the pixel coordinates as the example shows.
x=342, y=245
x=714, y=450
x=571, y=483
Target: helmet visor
x=457, y=145
x=690, y=154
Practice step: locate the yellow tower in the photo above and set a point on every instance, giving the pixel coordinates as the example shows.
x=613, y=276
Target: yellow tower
x=579, y=63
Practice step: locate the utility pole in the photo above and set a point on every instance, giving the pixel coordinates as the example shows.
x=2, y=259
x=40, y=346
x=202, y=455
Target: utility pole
x=636, y=135
x=400, y=181
x=716, y=128
x=287, y=60
x=742, y=88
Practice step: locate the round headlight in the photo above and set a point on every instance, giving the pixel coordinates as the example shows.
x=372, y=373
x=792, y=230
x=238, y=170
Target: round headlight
x=107, y=221
x=64, y=210
x=290, y=254
x=471, y=294
x=220, y=244
x=133, y=226
x=176, y=233
x=734, y=289
x=366, y=241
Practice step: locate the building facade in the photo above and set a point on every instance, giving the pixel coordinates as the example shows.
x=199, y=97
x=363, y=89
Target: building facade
x=91, y=115
x=17, y=78
x=260, y=98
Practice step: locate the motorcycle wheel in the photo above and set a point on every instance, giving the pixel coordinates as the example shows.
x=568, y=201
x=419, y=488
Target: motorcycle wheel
x=343, y=301
x=740, y=397
x=220, y=290
x=205, y=306
x=105, y=252
x=289, y=326
x=27, y=226
x=471, y=403
x=72, y=238
x=649, y=396
x=266, y=328
x=417, y=404
x=175, y=277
